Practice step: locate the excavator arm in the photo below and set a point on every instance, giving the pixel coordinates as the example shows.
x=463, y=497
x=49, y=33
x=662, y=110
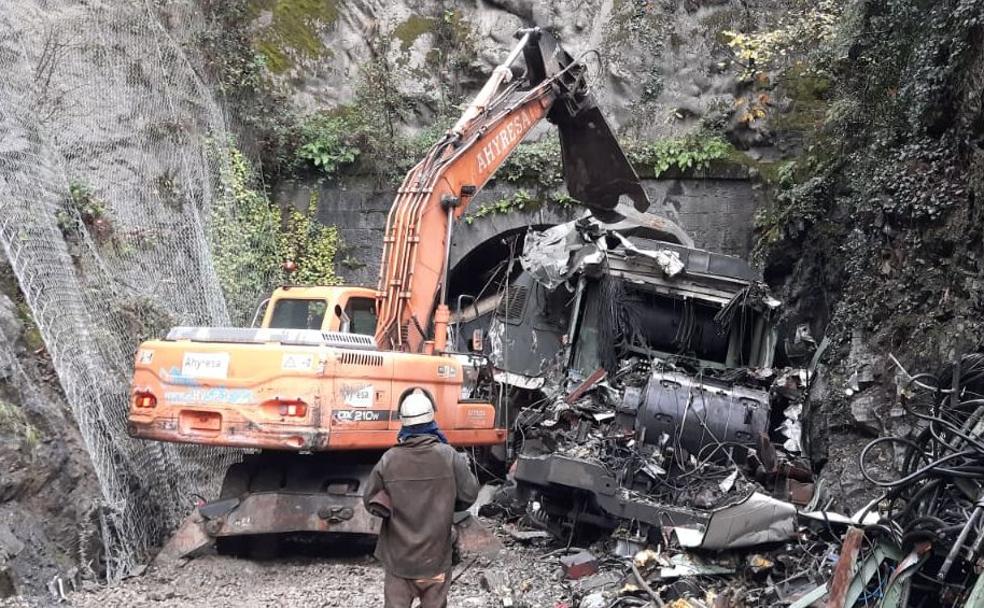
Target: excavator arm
x=411, y=294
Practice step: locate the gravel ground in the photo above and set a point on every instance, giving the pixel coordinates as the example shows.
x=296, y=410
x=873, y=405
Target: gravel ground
x=310, y=582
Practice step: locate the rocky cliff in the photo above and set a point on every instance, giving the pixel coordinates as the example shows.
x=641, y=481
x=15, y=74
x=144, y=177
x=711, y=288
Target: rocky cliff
x=875, y=231
x=126, y=205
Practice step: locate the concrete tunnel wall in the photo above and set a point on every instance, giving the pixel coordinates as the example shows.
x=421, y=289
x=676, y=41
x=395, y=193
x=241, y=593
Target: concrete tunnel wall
x=717, y=211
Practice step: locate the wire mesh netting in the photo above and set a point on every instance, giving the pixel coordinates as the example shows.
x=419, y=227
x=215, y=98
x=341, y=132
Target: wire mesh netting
x=110, y=177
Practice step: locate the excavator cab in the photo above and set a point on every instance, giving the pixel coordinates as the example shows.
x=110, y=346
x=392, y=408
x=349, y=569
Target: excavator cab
x=348, y=310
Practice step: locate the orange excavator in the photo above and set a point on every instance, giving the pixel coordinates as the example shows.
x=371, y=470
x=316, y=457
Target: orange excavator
x=314, y=392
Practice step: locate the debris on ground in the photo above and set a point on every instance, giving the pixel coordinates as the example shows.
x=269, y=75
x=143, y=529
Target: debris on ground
x=579, y=565
x=666, y=467
x=663, y=449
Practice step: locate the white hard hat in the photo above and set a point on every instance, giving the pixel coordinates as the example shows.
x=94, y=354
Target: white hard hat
x=416, y=408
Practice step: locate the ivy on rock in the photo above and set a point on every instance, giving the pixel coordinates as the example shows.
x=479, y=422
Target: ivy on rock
x=251, y=237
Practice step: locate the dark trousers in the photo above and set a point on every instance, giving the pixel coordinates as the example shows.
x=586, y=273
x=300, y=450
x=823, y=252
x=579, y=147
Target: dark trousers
x=400, y=592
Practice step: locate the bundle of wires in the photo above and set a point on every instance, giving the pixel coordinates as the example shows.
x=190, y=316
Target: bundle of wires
x=938, y=495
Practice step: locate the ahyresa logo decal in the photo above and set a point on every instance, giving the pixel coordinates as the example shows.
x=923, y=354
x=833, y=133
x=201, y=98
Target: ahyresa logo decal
x=507, y=136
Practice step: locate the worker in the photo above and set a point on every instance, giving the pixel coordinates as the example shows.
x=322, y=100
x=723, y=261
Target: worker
x=417, y=486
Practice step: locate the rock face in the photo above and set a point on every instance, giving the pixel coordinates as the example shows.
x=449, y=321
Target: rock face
x=659, y=68
x=879, y=243
x=108, y=172
x=48, y=490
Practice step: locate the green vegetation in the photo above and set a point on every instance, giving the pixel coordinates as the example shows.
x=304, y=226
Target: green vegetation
x=414, y=27
x=311, y=245
x=293, y=31
x=811, y=26
x=691, y=153
x=244, y=233
x=326, y=143
x=520, y=201
x=85, y=202
x=251, y=239
x=808, y=89
x=887, y=175
x=345, y=141
x=265, y=122
x=13, y=422
x=31, y=332
x=537, y=163
x=81, y=210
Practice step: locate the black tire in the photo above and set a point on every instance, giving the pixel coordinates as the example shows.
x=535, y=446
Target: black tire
x=267, y=478
x=264, y=547
x=232, y=546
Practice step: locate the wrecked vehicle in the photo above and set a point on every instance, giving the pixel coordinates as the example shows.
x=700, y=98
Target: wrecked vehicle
x=632, y=360
x=652, y=423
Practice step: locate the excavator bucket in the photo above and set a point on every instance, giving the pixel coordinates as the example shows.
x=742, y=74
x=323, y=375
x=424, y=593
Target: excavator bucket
x=595, y=168
x=596, y=171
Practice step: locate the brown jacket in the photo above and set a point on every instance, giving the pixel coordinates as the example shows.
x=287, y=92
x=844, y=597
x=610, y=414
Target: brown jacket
x=427, y=481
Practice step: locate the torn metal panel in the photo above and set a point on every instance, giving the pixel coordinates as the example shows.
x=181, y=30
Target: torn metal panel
x=897, y=590
x=553, y=472
x=526, y=332
x=862, y=576
x=667, y=259
x=579, y=565
x=547, y=254
x=759, y=519
x=531, y=383
x=830, y=518
x=682, y=565
x=792, y=429
x=555, y=255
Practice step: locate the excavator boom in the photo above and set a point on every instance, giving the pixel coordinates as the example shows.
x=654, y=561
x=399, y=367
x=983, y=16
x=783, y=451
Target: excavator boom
x=411, y=292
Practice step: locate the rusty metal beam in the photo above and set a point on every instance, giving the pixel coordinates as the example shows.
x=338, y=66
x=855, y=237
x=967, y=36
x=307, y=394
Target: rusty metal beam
x=595, y=377
x=844, y=571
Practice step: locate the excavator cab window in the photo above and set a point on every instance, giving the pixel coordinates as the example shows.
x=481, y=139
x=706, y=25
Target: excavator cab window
x=361, y=316
x=298, y=314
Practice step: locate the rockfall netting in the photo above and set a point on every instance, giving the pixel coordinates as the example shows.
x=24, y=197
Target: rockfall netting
x=112, y=157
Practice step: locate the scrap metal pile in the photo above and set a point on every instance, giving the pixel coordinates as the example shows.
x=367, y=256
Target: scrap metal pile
x=702, y=511
x=933, y=504
x=664, y=457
